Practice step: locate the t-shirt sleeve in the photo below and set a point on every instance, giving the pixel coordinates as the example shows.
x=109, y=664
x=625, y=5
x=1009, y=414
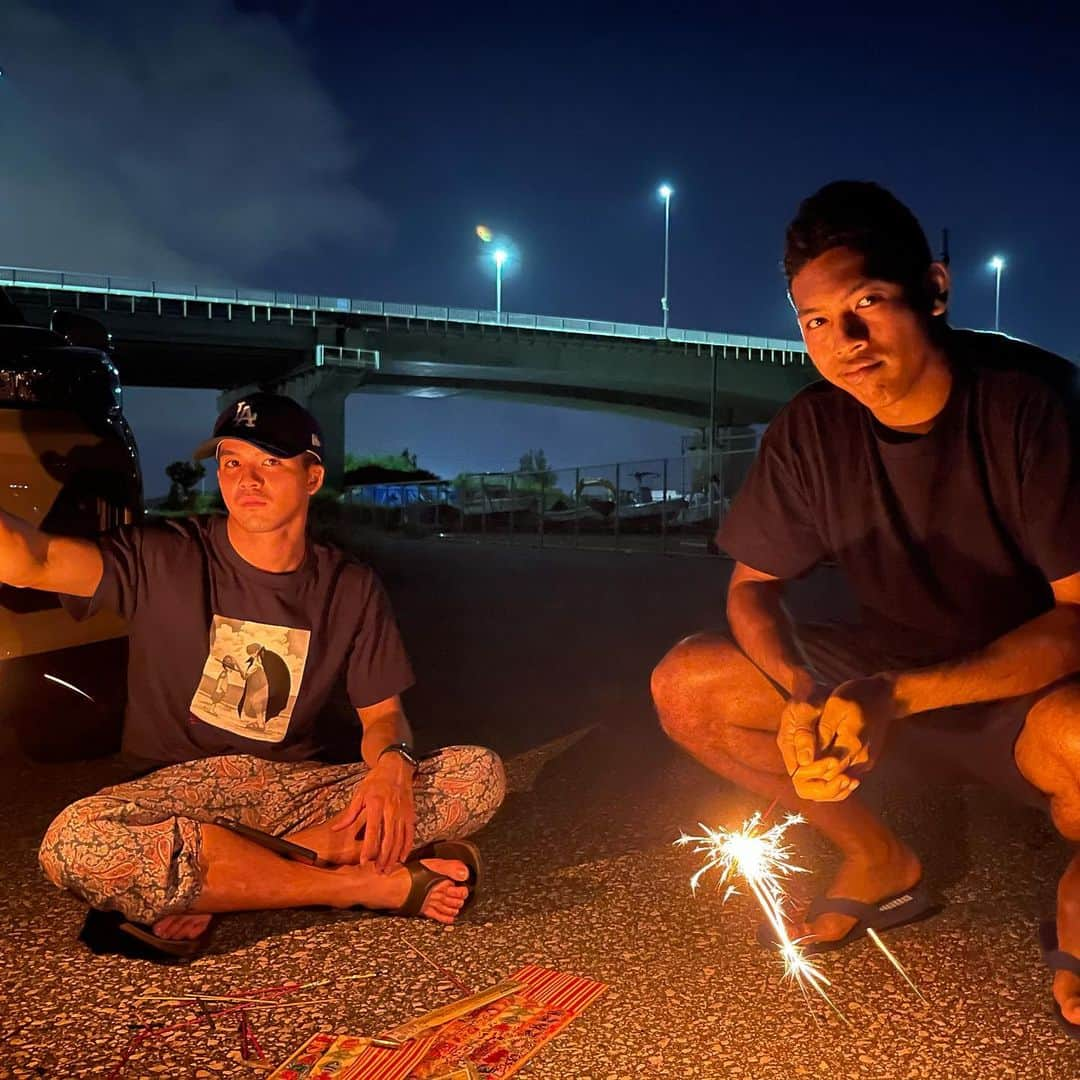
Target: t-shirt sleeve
x=1050, y=487
x=379, y=667
x=124, y=554
x=771, y=526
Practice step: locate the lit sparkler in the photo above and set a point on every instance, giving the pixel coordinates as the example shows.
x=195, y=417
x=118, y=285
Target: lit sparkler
x=762, y=859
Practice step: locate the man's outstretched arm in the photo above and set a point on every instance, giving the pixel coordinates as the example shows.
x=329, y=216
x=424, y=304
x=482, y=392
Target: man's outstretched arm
x=32, y=559
x=1034, y=655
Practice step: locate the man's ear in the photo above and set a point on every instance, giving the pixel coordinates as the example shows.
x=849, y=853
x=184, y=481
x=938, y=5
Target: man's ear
x=937, y=288
x=315, y=476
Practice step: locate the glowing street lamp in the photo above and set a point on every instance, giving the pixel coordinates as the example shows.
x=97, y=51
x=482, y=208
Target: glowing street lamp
x=665, y=191
x=997, y=264
x=500, y=257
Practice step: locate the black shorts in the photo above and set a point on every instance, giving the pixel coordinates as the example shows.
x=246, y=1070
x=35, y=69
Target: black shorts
x=975, y=741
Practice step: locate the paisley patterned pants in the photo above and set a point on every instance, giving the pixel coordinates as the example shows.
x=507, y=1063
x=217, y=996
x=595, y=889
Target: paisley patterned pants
x=135, y=847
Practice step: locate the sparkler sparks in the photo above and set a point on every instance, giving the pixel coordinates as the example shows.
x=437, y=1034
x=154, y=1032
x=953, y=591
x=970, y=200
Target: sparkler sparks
x=762, y=859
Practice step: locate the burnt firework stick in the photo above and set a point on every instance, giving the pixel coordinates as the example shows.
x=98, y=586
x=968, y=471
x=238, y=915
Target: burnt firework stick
x=267, y=840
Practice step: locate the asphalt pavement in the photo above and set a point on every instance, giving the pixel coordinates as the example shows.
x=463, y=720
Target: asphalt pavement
x=545, y=656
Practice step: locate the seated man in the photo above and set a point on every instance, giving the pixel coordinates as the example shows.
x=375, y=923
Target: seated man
x=937, y=467
x=240, y=627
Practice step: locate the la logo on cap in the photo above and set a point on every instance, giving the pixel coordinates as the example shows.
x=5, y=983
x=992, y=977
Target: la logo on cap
x=315, y=441
x=244, y=415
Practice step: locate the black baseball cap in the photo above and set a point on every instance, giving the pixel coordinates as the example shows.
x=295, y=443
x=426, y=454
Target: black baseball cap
x=272, y=422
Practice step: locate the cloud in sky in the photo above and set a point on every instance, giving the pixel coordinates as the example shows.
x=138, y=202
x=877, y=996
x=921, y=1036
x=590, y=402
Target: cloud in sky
x=187, y=141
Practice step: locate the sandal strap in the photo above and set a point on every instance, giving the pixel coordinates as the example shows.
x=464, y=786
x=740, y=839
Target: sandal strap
x=422, y=881
x=841, y=905
x=869, y=914
x=1056, y=959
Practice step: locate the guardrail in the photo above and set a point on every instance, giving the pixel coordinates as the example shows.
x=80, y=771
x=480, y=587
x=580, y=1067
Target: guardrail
x=343, y=356
x=792, y=352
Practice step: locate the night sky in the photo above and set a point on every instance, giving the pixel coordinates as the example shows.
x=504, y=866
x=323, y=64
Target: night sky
x=339, y=148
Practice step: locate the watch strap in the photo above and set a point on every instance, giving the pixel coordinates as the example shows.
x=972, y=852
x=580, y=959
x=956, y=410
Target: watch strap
x=403, y=750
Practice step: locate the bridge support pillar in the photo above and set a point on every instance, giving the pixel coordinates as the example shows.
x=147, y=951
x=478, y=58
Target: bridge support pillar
x=323, y=394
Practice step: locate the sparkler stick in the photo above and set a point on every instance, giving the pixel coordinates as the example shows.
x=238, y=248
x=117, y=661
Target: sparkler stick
x=240, y=1002
x=237, y=999
x=439, y=968
x=202, y=997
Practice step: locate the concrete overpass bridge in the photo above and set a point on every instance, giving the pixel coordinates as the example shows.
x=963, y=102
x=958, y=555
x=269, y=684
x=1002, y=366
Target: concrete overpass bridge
x=320, y=349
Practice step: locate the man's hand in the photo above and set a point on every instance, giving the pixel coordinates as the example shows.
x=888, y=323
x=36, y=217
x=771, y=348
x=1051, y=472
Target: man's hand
x=851, y=732
x=798, y=737
x=383, y=807
x=856, y=719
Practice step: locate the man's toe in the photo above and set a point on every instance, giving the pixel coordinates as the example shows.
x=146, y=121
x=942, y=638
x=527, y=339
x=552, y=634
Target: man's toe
x=1067, y=995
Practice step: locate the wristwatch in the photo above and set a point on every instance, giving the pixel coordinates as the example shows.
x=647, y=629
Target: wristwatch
x=403, y=750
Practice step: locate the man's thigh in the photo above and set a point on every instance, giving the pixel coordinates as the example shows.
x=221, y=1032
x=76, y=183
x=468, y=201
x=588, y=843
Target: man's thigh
x=975, y=743
x=275, y=796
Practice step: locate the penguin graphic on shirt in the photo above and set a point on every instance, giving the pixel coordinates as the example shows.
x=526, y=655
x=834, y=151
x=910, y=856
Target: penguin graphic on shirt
x=266, y=686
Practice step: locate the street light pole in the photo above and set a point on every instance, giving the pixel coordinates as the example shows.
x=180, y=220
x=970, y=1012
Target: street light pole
x=997, y=264
x=500, y=258
x=665, y=191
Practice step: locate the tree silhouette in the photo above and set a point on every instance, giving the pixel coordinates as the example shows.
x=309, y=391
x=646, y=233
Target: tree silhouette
x=534, y=463
x=184, y=476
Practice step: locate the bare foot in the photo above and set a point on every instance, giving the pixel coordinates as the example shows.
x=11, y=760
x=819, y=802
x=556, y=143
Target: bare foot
x=1066, y=984
x=443, y=903
x=181, y=927
x=1067, y=995
x=867, y=878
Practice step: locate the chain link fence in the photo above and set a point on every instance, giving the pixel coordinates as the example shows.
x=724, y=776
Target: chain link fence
x=663, y=505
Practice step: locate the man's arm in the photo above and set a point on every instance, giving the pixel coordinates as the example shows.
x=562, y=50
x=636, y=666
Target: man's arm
x=384, y=724
x=1034, y=655
x=32, y=559
x=856, y=717
x=764, y=631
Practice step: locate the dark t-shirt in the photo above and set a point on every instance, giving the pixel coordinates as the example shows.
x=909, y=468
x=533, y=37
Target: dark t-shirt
x=949, y=539
x=226, y=658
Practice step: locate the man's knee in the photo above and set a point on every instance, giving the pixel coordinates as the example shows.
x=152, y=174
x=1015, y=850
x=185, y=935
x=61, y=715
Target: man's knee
x=1047, y=753
x=492, y=777
x=65, y=837
x=684, y=684
x=478, y=773
x=117, y=856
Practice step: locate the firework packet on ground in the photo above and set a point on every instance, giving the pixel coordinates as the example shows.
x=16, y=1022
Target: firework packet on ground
x=496, y=1039
x=500, y=1038
x=350, y=1057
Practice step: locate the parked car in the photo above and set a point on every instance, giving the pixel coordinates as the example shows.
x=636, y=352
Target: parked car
x=69, y=464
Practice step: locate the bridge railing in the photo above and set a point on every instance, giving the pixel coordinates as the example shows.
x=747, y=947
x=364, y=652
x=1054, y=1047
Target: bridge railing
x=779, y=350
x=663, y=505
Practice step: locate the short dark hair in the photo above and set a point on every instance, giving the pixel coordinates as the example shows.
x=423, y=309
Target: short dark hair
x=862, y=216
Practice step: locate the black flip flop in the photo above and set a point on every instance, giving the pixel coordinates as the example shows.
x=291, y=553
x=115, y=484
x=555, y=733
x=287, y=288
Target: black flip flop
x=424, y=880
x=108, y=932
x=900, y=909
x=1058, y=960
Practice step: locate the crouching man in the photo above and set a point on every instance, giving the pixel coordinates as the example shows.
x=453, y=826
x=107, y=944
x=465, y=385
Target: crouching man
x=938, y=468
